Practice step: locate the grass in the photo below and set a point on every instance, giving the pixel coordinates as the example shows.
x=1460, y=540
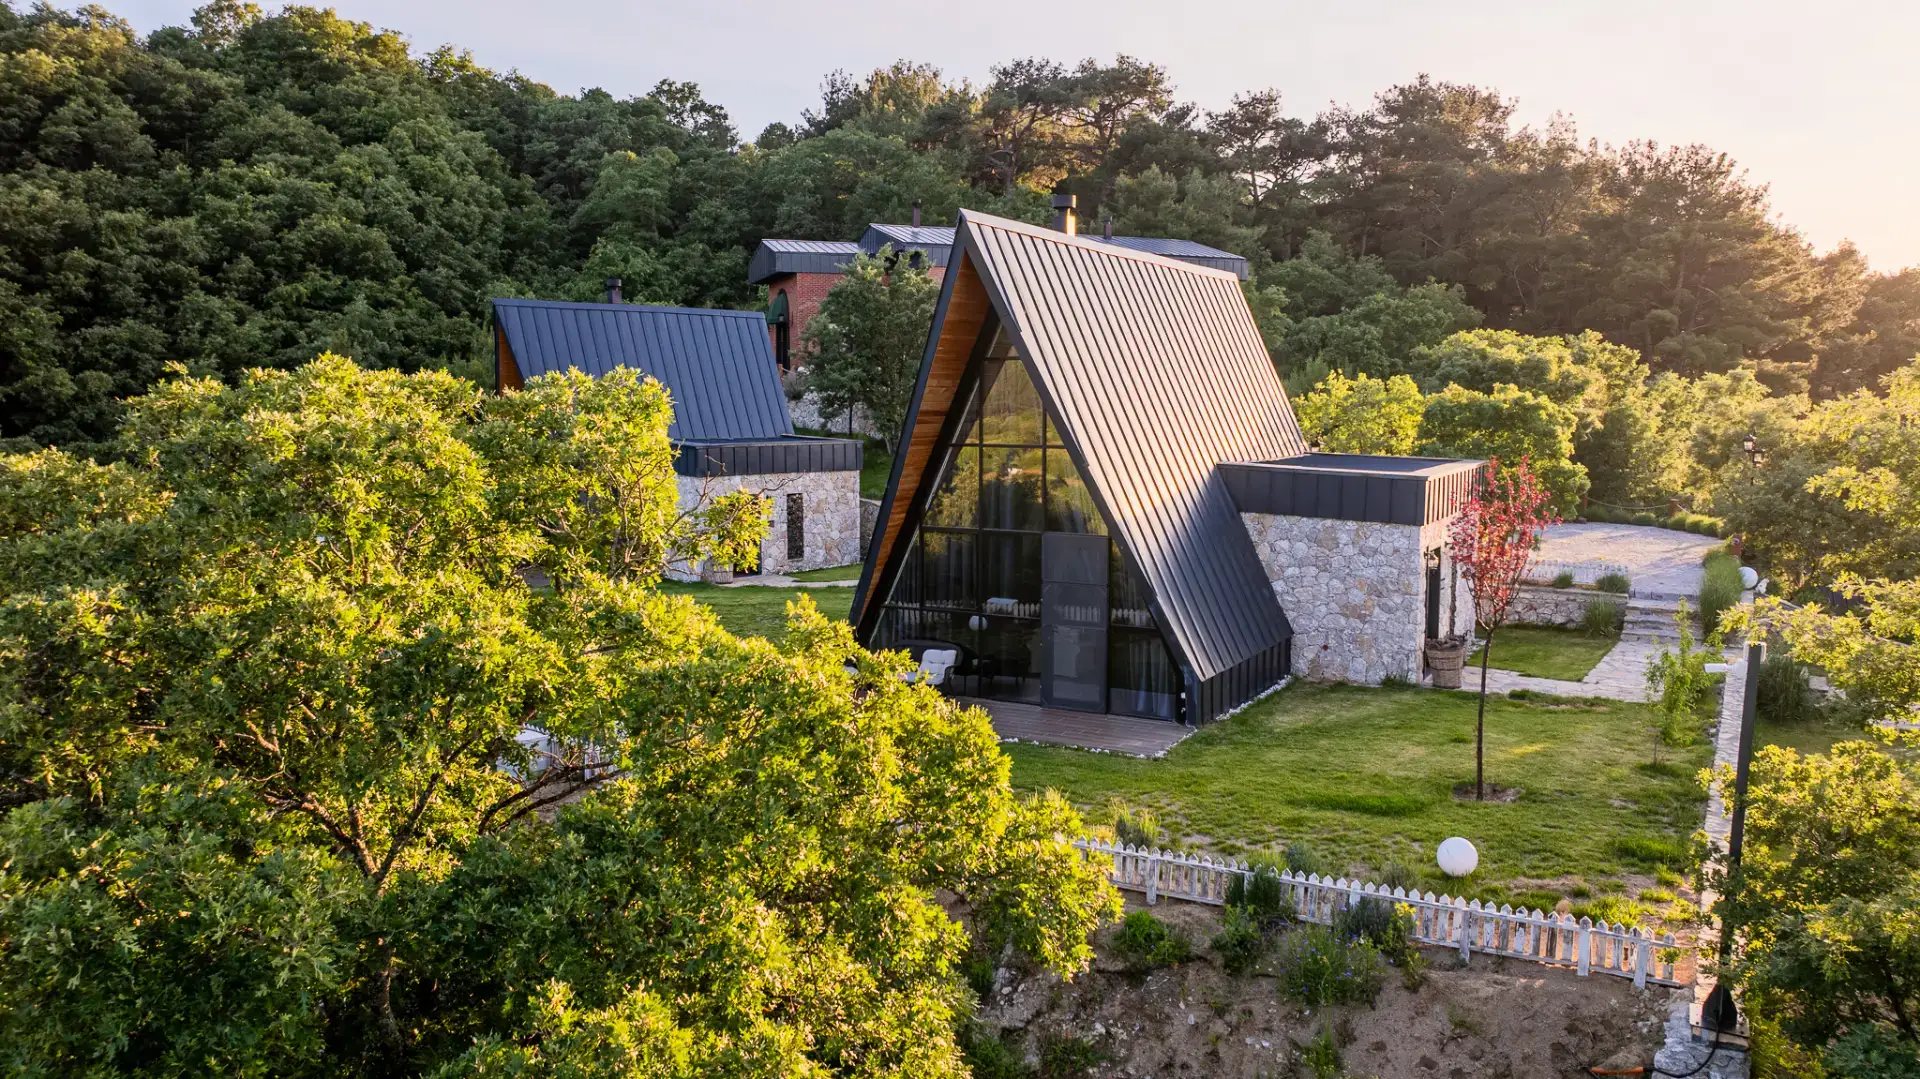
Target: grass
x=754, y=611
x=1544, y=652
x=850, y=572
x=1366, y=775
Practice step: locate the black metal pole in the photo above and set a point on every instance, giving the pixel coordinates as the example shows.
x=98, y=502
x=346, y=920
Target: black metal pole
x=1756, y=654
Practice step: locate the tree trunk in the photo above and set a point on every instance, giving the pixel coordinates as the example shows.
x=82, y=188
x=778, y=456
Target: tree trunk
x=383, y=1000
x=1480, y=727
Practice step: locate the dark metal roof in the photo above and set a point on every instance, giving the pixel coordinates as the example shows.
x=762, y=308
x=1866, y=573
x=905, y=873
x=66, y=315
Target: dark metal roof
x=1353, y=487
x=775, y=257
x=1157, y=373
x=1184, y=250
x=935, y=240
x=718, y=365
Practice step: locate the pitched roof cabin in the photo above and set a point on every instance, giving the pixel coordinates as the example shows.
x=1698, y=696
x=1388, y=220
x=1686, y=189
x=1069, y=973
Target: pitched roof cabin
x=731, y=428
x=729, y=410
x=1101, y=485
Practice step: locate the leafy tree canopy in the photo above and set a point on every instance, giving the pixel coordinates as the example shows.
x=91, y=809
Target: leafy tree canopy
x=343, y=731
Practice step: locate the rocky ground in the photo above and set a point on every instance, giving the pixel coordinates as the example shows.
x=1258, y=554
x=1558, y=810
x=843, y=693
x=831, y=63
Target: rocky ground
x=1493, y=1019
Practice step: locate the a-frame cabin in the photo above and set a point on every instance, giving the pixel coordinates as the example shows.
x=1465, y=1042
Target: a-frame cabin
x=1056, y=514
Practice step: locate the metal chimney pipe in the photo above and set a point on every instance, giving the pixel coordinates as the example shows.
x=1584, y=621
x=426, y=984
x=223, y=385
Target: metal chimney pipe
x=1107, y=228
x=916, y=213
x=613, y=290
x=1064, y=219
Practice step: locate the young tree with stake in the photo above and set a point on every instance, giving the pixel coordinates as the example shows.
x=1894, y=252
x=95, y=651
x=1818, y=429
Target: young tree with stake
x=1492, y=540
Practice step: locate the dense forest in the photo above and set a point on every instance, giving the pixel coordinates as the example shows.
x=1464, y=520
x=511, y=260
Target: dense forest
x=255, y=189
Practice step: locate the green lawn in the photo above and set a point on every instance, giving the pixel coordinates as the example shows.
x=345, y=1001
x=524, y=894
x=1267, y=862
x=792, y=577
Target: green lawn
x=831, y=573
x=753, y=611
x=1544, y=652
x=1366, y=775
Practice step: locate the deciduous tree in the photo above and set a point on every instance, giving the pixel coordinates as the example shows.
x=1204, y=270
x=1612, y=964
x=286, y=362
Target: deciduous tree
x=1491, y=540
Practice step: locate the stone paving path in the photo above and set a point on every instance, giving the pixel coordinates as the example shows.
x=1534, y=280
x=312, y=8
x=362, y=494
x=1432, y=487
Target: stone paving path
x=1659, y=561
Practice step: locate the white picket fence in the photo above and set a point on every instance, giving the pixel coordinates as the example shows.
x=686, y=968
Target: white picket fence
x=1559, y=939
x=1544, y=570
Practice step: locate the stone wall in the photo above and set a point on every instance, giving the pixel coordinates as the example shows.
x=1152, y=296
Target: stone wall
x=869, y=520
x=830, y=526
x=1355, y=592
x=1539, y=605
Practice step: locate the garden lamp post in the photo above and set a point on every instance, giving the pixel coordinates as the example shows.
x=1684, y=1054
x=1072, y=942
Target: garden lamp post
x=1750, y=446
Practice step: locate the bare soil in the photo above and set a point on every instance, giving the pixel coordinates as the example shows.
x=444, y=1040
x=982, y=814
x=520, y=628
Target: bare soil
x=1492, y=1019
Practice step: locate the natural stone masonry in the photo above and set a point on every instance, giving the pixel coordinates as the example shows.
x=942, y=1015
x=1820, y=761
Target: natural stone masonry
x=831, y=525
x=1354, y=591
x=1537, y=606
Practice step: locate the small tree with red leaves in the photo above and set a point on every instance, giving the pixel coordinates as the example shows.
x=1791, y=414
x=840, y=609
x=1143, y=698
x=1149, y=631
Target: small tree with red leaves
x=1492, y=540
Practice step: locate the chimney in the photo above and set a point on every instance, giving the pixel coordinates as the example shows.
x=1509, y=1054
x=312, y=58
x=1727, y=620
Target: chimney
x=613, y=290
x=1064, y=219
x=916, y=213
x=1107, y=227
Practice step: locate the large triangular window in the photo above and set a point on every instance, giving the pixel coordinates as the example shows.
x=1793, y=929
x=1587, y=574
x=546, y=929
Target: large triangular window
x=978, y=577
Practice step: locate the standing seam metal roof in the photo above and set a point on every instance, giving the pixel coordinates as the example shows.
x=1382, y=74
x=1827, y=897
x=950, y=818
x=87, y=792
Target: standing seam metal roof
x=717, y=364
x=775, y=257
x=1157, y=373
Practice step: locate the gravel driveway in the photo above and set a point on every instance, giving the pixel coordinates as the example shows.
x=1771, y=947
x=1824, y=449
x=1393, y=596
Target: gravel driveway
x=1659, y=561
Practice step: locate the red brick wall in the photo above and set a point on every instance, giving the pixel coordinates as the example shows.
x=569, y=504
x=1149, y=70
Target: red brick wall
x=805, y=293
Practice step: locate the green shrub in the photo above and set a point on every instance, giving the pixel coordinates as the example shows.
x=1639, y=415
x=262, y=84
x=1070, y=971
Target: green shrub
x=1872, y=1052
x=1720, y=590
x=1563, y=579
x=1645, y=519
x=1139, y=827
x=1597, y=513
x=1319, y=967
x=1241, y=940
x=1263, y=895
x=1063, y=1056
x=1677, y=522
x=1784, y=695
x=1612, y=582
x=990, y=1056
x=1303, y=859
x=1146, y=942
x=1600, y=618
x=1322, y=1054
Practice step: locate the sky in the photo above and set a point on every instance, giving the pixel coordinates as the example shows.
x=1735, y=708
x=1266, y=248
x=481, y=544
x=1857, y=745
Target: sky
x=1820, y=101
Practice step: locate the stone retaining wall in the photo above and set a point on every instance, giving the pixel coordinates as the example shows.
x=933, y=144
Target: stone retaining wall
x=1540, y=605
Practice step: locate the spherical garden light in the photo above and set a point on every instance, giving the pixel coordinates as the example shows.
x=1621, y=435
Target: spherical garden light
x=1457, y=857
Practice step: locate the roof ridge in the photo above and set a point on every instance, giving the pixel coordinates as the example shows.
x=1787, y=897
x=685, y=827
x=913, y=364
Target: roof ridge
x=1087, y=243
x=732, y=312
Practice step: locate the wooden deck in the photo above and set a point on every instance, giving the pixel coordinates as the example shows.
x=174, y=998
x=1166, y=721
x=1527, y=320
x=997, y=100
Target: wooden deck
x=1134, y=737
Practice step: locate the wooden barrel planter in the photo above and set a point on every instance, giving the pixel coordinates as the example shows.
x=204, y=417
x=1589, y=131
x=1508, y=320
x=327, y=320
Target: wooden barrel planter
x=1446, y=659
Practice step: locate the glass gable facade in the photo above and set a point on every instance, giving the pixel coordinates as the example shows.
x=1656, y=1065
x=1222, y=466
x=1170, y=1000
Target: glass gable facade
x=1008, y=568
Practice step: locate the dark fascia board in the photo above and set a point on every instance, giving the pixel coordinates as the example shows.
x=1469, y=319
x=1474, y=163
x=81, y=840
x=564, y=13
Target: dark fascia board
x=1002, y=316
x=770, y=260
x=1406, y=496
x=866, y=615
x=751, y=457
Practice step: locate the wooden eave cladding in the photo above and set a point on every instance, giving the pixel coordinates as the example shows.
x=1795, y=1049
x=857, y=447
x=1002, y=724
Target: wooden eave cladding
x=964, y=312
x=506, y=370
